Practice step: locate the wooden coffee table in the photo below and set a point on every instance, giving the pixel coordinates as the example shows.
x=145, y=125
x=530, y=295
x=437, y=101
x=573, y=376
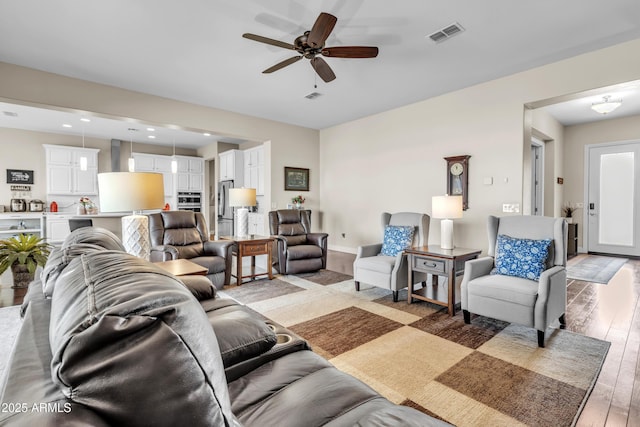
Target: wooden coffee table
x=182, y=267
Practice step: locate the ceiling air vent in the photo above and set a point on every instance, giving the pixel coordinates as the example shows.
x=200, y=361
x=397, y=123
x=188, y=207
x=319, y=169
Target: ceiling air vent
x=10, y=114
x=446, y=33
x=313, y=95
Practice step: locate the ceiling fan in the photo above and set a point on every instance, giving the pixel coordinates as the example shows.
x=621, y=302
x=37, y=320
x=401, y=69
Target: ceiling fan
x=311, y=44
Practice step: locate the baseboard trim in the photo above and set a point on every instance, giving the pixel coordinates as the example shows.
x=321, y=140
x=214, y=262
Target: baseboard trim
x=344, y=249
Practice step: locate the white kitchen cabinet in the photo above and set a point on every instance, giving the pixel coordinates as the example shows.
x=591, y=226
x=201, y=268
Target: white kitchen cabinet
x=57, y=228
x=256, y=224
x=231, y=166
x=190, y=174
x=64, y=176
x=14, y=223
x=159, y=164
x=254, y=169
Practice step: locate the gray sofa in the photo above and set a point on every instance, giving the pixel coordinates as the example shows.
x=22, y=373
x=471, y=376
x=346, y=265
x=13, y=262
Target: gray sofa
x=119, y=341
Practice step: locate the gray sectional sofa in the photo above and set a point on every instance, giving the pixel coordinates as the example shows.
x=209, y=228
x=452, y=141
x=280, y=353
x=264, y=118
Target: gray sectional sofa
x=109, y=339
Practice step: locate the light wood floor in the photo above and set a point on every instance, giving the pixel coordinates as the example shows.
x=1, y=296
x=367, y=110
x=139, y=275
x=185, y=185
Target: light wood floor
x=609, y=312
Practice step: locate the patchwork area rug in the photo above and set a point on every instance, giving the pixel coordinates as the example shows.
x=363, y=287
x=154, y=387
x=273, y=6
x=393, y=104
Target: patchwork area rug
x=595, y=269
x=486, y=373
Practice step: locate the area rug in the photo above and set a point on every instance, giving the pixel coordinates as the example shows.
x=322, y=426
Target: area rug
x=595, y=269
x=485, y=373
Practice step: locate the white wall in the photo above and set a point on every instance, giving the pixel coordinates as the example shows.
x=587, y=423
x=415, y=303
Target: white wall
x=393, y=161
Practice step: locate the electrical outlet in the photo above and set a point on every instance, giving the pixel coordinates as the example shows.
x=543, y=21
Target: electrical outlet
x=511, y=207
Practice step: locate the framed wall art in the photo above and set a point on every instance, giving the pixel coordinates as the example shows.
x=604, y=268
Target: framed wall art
x=296, y=179
x=18, y=176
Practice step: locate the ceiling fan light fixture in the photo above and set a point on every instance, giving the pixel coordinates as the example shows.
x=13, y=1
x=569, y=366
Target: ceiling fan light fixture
x=607, y=105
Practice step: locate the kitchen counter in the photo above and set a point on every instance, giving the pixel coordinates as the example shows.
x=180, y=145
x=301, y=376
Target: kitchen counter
x=98, y=215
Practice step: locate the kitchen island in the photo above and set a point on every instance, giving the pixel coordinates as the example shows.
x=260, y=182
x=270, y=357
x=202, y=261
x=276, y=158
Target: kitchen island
x=57, y=223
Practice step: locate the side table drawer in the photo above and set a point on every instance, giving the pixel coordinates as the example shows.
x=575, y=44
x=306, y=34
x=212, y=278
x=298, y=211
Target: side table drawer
x=255, y=248
x=428, y=265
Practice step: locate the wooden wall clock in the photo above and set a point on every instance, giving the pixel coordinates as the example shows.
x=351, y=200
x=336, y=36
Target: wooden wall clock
x=458, y=178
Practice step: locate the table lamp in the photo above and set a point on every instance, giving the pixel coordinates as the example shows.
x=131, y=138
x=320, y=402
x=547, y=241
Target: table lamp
x=132, y=191
x=446, y=208
x=241, y=198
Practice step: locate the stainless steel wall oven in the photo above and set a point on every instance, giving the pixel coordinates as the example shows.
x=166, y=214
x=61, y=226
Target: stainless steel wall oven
x=188, y=201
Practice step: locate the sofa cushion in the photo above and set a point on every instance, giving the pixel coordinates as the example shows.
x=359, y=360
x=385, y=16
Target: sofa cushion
x=381, y=263
x=215, y=264
x=524, y=258
x=304, y=252
x=397, y=238
x=120, y=327
x=505, y=288
x=241, y=336
x=200, y=286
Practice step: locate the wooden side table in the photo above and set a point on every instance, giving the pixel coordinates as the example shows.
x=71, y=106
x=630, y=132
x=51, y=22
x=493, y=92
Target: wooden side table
x=438, y=262
x=251, y=245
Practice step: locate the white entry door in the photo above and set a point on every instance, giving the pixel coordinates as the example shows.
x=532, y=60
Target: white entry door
x=612, y=206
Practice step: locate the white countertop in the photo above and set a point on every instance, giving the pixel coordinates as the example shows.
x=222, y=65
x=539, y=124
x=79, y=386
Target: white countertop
x=98, y=215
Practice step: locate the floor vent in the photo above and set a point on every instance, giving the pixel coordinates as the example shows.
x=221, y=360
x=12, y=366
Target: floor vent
x=446, y=33
x=313, y=95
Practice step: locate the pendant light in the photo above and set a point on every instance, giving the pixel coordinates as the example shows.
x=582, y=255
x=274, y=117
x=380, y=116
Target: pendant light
x=132, y=162
x=83, y=158
x=174, y=162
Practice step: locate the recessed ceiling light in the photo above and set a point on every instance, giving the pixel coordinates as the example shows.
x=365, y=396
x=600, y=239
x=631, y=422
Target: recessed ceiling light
x=84, y=119
x=206, y=134
x=66, y=125
x=151, y=129
x=151, y=137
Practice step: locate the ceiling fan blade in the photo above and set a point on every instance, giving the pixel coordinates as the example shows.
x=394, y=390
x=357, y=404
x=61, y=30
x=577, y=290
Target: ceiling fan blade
x=321, y=29
x=351, y=52
x=282, y=64
x=267, y=40
x=322, y=68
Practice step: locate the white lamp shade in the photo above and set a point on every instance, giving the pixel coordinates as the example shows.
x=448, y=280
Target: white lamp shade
x=130, y=191
x=447, y=207
x=240, y=197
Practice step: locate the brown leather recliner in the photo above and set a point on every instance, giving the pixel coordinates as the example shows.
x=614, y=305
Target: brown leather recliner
x=184, y=234
x=297, y=249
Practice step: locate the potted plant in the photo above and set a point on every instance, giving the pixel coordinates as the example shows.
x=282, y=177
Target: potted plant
x=298, y=201
x=23, y=253
x=568, y=210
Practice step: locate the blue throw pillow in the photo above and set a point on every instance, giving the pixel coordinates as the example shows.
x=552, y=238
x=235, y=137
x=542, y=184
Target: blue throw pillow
x=524, y=258
x=397, y=238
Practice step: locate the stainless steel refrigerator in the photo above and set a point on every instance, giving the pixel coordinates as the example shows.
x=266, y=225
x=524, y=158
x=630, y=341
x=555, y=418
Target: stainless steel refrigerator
x=225, y=212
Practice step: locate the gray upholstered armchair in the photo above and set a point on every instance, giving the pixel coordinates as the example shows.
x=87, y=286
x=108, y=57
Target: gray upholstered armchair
x=391, y=272
x=184, y=234
x=535, y=303
x=297, y=249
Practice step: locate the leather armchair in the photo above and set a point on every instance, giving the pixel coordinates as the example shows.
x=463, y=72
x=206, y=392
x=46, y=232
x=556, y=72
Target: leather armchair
x=184, y=234
x=533, y=303
x=297, y=249
x=391, y=272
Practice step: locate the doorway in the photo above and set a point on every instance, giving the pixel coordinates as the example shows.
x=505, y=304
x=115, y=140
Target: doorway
x=612, y=212
x=537, y=176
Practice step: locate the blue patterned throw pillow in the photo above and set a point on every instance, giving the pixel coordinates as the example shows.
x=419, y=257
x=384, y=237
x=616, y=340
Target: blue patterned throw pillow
x=397, y=238
x=524, y=258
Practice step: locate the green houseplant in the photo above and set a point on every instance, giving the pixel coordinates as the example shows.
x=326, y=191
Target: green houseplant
x=23, y=253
